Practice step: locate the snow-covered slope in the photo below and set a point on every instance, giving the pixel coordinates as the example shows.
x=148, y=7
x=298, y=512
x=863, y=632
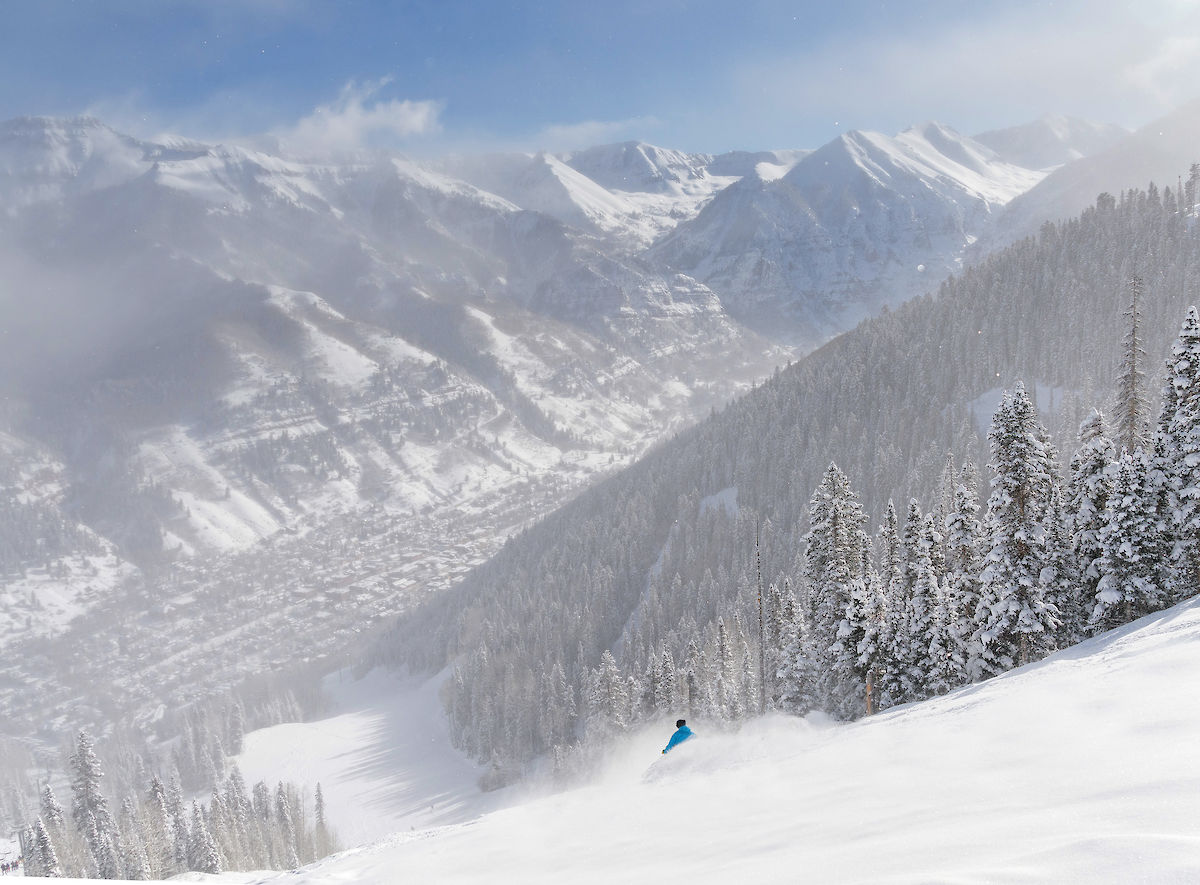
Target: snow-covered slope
x=866, y=220
x=637, y=167
x=44, y=159
x=1051, y=141
x=1077, y=769
x=629, y=194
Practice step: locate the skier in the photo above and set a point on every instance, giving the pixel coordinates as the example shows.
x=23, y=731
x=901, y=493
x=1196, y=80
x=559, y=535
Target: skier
x=682, y=733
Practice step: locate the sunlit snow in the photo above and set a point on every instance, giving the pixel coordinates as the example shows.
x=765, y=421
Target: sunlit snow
x=1077, y=769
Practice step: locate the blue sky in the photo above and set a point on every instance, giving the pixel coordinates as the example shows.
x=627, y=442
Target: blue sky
x=693, y=74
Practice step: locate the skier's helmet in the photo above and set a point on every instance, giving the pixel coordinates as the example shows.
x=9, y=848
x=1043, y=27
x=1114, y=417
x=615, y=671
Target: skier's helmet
x=681, y=723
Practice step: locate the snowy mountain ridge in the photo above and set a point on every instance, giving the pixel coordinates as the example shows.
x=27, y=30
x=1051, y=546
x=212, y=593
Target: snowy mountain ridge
x=1051, y=141
x=864, y=221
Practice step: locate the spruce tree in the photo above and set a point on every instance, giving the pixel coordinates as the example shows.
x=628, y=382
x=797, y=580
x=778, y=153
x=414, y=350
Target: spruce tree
x=1060, y=574
x=1013, y=616
x=835, y=562
x=666, y=697
x=906, y=650
x=52, y=812
x=45, y=860
x=179, y=824
x=890, y=557
x=159, y=839
x=920, y=628
x=86, y=774
x=963, y=565
x=323, y=840
x=89, y=809
x=1132, y=412
x=609, y=699
x=867, y=619
x=796, y=678
x=1088, y=491
x=947, y=666
x=285, y=821
x=1129, y=575
x=135, y=860
x=1179, y=428
x=202, y=856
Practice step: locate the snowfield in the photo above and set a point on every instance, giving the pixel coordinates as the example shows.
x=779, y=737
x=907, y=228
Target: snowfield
x=1077, y=769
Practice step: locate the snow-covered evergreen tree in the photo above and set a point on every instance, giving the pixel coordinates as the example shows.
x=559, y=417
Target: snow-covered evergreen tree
x=322, y=838
x=202, y=850
x=963, y=565
x=132, y=843
x=179, y=824
x=887, y=546
x=89, y=808
x=947, y=663
x=913, y=548
x=1132, y=410
x=796, y=679
x=835, y=563
x=1088, y=492
x=45, y=859
x=867, y=618
x=904, y=653
x=285, y=820
x=159, y=839
x=1129, y=575
x=666, y=696
x=919, y=629
x=1060, y=573
x=51, y=811
x=1013, y=617
x=1179, y=427
x=609, y=701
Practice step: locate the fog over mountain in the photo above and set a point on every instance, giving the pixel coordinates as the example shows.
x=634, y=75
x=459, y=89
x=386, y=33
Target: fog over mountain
x=1161, y=152
x=1051, y=141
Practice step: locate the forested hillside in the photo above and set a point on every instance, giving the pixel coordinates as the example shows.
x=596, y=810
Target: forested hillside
x=644, y=590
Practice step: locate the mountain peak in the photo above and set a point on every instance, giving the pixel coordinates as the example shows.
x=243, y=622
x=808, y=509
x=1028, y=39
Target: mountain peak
x=1051, y=140
x=638, y=166
x=46, y=157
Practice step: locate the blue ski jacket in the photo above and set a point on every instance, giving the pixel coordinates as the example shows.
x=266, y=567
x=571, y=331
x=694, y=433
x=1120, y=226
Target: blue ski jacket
x=681, y=734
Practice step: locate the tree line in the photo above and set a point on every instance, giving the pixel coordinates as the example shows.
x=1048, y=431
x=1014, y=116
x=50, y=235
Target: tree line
x=159, y=834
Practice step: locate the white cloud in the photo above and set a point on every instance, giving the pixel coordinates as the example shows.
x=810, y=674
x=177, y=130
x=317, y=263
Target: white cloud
x=1124, y=63
x=570, y=136
x=358, y=120
x=1169, y=73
